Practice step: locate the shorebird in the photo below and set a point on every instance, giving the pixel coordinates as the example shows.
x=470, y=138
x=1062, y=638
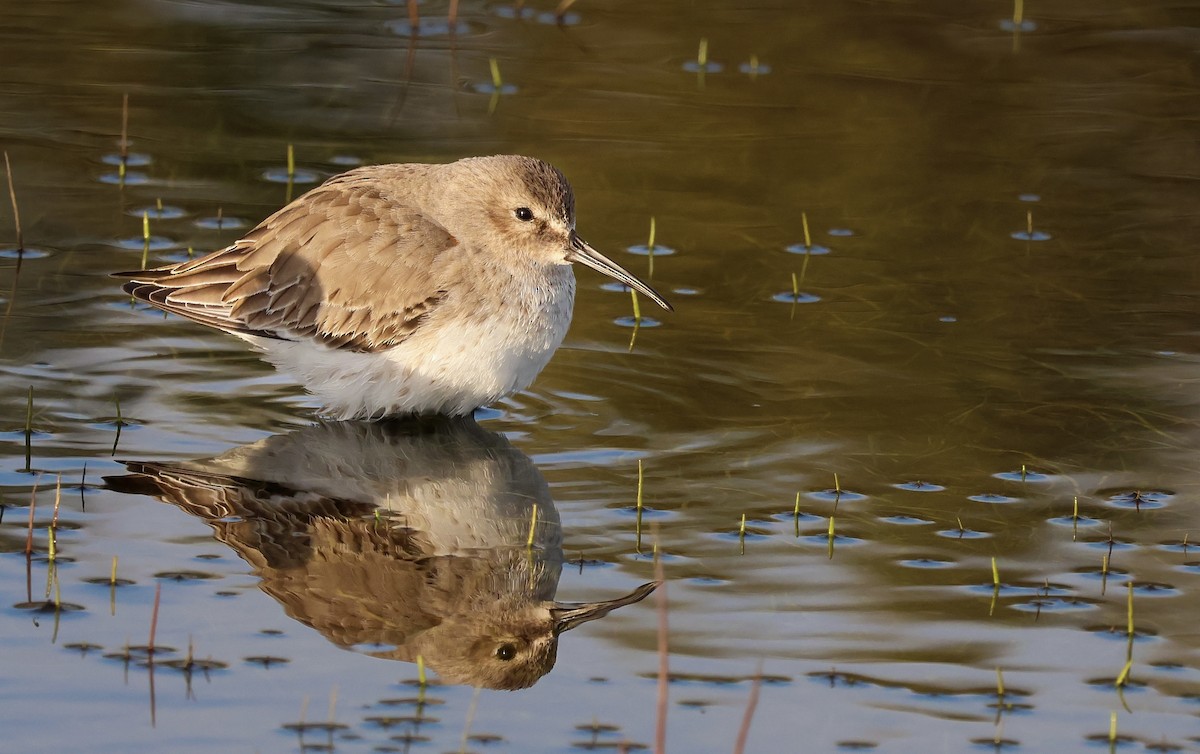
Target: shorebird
x=401, y=289
x=430, y=538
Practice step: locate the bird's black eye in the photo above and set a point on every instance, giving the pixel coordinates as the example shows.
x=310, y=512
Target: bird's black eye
x=506, y=652
x=524, y=214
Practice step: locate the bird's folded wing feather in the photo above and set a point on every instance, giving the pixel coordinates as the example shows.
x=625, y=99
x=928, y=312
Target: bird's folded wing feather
x=342, y=264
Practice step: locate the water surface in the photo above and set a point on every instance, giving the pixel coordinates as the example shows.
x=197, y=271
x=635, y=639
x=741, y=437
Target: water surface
x=1000, y=329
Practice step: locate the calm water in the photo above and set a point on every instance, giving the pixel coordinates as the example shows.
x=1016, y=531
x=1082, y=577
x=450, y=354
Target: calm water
x=996, y=318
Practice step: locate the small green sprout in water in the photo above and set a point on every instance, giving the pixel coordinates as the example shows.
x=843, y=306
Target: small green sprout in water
x=497, y=82
x=650, y=247
x=532, y=526
x=57, y=502
x=807, y=236
x=421, y=671
x=1112, y=727
x=999, y=684
x=837, y=486
x=639, y=486
x=145, y=238
x=1023, y=472
x=702, y=53
x=112, y=576
x=158, y=205
x=291, y=172
x=742, y=534
x=1075, y=509
x=1029, y=223
x=995, y=574
x=638, y=525
x=830, y=537
x=1123, y=677
x=637, y=310
x=50, y=535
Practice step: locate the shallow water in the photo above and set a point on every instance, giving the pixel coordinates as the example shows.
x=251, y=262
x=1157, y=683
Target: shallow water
x=1002, y=324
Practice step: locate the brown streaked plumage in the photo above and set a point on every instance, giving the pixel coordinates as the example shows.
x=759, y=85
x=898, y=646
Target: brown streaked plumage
x=407, y=538
x=397, y=289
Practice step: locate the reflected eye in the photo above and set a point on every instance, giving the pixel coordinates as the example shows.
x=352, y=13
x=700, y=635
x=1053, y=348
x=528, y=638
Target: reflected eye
x=506, y=652
x=524, y=214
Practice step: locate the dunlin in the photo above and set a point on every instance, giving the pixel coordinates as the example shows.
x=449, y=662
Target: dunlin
x=401, y=289
x=434, y=539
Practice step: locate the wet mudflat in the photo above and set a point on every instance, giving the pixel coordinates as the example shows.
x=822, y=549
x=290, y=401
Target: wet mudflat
x=919, y=434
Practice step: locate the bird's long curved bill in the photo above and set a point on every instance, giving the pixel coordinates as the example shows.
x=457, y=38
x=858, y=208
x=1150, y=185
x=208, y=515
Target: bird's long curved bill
x=584, y=254
x=568, y=615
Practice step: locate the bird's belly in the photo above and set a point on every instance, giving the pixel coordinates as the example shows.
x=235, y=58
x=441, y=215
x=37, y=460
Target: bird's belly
x=449, y=366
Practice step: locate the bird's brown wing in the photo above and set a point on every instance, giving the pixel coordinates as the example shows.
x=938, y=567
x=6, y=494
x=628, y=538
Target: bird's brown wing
x=348, y=263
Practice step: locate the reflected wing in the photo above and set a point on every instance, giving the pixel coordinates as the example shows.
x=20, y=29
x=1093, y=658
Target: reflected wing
x=348, y=263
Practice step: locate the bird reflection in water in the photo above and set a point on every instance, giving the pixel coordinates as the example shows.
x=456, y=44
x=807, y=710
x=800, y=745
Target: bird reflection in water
x=403, y=539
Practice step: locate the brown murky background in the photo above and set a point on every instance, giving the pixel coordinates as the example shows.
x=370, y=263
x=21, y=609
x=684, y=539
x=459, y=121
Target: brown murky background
x=963, y=380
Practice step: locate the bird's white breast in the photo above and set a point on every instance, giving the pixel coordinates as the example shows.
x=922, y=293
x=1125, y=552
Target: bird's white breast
x=471, y=351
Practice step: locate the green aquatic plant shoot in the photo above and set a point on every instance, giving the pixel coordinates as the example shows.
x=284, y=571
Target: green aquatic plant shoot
x=1123, y=677
x=421, y=671
x=650, y=247
x=532, y=526
x=50, y=539
x=291, y=173
x=1112, y=727
x=638, y=521
x=57, y=501
x=145, y=238
x=112, y=576
x=995, y=574
x=807, y=236
x=639, y=486
x=1029, y=224
x=702, y=53
x=497, y=82
x=1075, y=509
x=999, y=683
